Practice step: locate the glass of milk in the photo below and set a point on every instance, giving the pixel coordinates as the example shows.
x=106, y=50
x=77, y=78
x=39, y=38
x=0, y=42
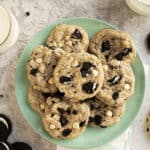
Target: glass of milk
x=9, y=29
x=141, y=7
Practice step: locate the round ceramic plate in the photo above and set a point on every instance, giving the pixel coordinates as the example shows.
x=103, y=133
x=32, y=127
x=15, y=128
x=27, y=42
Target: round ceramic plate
x=92, y=137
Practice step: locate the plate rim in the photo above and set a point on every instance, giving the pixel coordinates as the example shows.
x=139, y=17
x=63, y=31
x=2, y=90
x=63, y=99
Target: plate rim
x=60, y=21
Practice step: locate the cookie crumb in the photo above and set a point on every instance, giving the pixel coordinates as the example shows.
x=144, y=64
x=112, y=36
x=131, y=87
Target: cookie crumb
x=52, y=126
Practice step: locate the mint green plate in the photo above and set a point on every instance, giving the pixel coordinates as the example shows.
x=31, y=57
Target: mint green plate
x=92, y=137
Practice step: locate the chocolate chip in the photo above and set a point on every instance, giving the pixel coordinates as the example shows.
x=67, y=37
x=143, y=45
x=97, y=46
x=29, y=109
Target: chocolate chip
x=74, y=112
x=34, y=72
x=27, y=13
x=105, y=46
x=89, y=87
x=76, y=35
x=115, y=95
x=46, y=95
x=115, y=80
x=91, y=119
x=61, y=110
x=68, y=111
x=63, y=121
x=85, y=69
x=121, y=55
x=66, y=132
x=98, y=119
x=59, y=94
x=82, y=123
x=1, y=95
x=148, y=40
x=65, y=79
x=92, y=107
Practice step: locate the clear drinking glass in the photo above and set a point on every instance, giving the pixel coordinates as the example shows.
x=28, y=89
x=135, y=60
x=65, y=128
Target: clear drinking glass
x=141, y=7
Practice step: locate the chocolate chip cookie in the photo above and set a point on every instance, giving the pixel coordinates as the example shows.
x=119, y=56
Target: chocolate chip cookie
x=64, y=120
x=119, y=81
x=71, y=38
x=111, y=44
x=79, y=76
x=102, y=115
x=40, y=68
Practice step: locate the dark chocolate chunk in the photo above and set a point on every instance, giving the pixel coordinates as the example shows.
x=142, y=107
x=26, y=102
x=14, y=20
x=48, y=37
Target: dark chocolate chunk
x=76, y=35
x=46, y=95
x=34, y=72
x=66, y=132
x=91, y=119
x=61, y=110
x=65, y=79
x=68, y=111
x=98, y=119
x=27, y=13
x=148, y=40
x=4, y=145
x=115, y=80
x=121, y=55
x=59, y=94
x=21, y=146
x=82, y=123
x=63, y=121
x=85, y=69
x=115, y=95
x=74, y=112
x=89, y=87
x=5, y=127
x=105, y=46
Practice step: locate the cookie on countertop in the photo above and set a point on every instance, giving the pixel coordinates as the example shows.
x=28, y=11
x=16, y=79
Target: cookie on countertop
x=79, y=76
x=111, y=44
x=40, y=68
x=64, y=120
x=119, y=82
x=71, y=38
x=102, y=115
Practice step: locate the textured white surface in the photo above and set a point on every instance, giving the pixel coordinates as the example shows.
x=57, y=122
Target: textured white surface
x=43, y=12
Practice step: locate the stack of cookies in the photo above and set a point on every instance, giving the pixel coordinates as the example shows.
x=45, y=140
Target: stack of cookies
x=75, y=83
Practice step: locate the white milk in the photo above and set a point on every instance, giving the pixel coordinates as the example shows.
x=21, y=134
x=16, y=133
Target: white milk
x=141, y=7
x=9, y=30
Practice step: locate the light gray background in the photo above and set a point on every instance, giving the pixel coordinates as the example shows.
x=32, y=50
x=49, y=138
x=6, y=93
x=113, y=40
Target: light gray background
x=43, y=12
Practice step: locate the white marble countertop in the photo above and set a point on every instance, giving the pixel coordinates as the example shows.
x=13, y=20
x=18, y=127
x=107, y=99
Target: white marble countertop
x=43, y=12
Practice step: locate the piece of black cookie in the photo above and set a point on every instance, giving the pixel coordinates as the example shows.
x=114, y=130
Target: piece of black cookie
x=4, y=145
x=21, y=146
x=5, y=127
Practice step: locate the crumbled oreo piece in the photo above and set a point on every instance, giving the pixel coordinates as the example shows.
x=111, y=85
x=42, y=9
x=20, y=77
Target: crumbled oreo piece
x=85, y=69
x=121, y=55
x=4, y=145
x=89, y=87
x=46, y=95
x=115, y=95
x=76, y=34
x=21, y=146
x=105, y=46
x=115, y=80
x=34, y=72
x=65, y=79
x=98, y=119
x=82, y=123
x=63, y=121
x=61, y=110
x=66, y=132
x=5, y=127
